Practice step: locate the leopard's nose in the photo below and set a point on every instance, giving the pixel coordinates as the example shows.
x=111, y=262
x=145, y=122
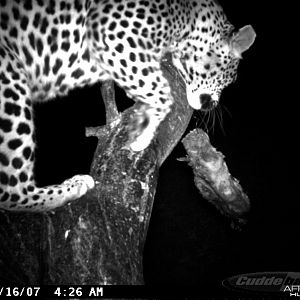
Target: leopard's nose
x=206, y=102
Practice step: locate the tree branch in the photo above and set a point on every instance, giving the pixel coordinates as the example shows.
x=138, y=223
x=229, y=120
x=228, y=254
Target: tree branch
x=108, y=96
x=212, y=178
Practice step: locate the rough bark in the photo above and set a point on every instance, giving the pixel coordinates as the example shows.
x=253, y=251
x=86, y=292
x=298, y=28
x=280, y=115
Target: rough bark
x=99, y=238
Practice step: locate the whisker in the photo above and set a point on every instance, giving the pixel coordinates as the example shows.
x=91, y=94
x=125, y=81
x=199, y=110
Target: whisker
x=207, y=116
x=226, y=109
x=214, y=120
x=220, y=118
x=211, y=119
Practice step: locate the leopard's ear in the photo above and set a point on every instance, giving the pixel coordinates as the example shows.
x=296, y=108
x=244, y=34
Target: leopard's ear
x=242, y=40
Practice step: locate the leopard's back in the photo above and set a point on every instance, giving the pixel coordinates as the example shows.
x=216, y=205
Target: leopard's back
x=47, y=41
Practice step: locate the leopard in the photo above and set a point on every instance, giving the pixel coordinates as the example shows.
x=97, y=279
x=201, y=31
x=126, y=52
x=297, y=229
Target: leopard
x=49, y=47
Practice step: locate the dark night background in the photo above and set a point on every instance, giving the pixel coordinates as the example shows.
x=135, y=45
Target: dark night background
x=189, y=242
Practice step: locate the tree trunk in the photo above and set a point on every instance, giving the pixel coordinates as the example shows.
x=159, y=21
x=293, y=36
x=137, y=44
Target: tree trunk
x=98, y=239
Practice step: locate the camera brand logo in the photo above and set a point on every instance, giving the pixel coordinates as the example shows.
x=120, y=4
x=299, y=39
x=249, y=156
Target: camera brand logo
x=266, y=282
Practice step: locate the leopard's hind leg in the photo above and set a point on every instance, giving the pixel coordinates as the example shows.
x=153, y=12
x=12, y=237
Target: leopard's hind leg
x=18, y=190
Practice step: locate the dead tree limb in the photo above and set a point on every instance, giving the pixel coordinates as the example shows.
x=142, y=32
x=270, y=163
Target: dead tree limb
x=212, y=178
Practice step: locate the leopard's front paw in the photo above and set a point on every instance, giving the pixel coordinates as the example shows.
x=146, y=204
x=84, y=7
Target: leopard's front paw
x=138, y=139
x=139, y=121
x=78, y=186
x=142, y=141
x=142, y=128
x=140, y=144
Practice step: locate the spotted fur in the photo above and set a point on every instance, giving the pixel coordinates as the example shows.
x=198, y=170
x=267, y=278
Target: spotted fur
x=48, y=47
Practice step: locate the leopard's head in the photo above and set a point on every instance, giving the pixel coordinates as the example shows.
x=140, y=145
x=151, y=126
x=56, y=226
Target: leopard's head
x=209, y=64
